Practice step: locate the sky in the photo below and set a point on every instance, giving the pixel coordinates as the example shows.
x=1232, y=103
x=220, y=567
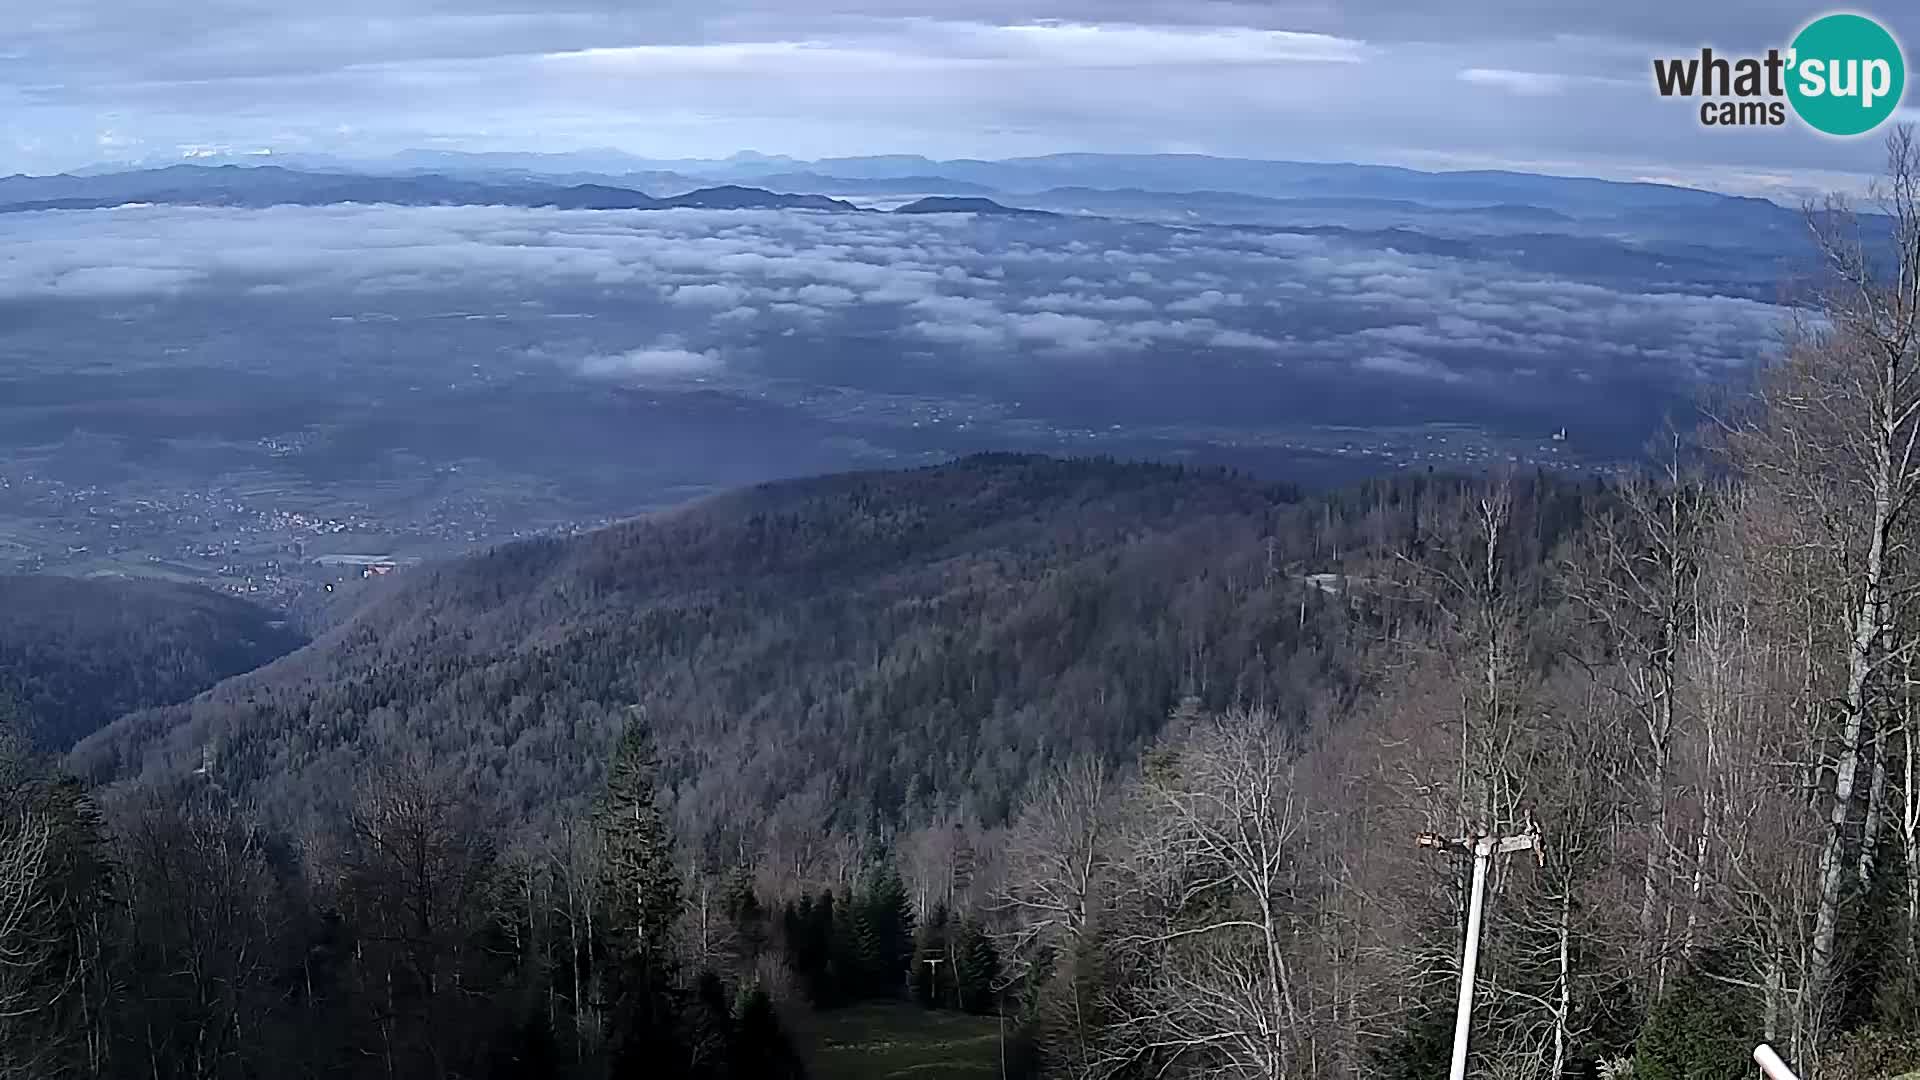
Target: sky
x=1540, y=85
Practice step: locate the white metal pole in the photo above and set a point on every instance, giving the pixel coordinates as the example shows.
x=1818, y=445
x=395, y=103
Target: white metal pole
x=1771, y=1064
x=1470, y=959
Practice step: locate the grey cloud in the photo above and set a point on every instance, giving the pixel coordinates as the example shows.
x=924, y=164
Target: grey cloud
x=1555, y=86
x=1058, y=330
x=718, y=281
x=825, y=295
x=1240, y=339
x=651, y=360
x=119, y=281
x=955, y=308
x=979, y=335
x=712, y=295
x=1058, y=301
x=1207, y=300
x=1397, y=363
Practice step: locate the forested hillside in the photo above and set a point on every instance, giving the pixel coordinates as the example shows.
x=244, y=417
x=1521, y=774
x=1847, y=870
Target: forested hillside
x=856, y=653
x=830, y=707
x=1169, y=771
x=77, y=652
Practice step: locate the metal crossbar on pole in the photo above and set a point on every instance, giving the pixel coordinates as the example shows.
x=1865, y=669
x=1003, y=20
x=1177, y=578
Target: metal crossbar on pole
x=1482, y=849
x=933, y=977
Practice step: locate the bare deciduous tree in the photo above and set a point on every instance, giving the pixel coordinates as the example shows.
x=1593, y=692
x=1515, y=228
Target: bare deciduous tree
x=1634, y=577
x=1057, y=858
x=416, y=880
x=1212, y=860
x=28, y=943
x=1835, y=440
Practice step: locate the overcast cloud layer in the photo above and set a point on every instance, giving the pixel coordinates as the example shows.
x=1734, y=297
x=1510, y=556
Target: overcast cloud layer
x=680, y=294
x=1554, y=86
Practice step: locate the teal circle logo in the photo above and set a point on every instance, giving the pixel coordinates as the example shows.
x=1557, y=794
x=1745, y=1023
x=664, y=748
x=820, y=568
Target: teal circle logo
x=1846, y=74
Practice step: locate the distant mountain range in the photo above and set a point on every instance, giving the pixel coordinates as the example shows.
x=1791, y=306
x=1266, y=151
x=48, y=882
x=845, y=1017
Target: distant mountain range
x=273, y=185
x=232, y=185
x=902, y=173
x=1140, y=200
x=1166, y=188
x=883, y=185
x=951, y=204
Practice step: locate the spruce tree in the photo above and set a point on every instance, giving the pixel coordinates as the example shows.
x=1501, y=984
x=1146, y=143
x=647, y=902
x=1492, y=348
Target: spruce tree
x=639, y=905
x=761, y=1048
x=749, y=919
x=811, y=947
x=639, y=884
x=1698, y=1031
x=869, y=956
x=889, y=916
x=845, y=961
x=710, y=1034
x=977, y=964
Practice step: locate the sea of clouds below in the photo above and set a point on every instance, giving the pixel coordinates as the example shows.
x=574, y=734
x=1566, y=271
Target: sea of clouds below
x=726, y=285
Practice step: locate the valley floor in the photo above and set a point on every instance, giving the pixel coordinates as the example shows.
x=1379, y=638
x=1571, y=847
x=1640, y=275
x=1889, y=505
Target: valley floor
x=901, y=1041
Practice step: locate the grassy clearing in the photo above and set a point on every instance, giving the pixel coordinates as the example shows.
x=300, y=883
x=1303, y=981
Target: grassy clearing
x=904, y=1042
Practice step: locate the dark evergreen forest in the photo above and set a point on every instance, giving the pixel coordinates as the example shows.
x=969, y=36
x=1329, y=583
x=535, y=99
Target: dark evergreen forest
x=77, y=652
x=859, y=652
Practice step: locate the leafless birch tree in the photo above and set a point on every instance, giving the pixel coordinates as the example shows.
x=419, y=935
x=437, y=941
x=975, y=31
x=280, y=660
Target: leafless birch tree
x=1834, y=438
